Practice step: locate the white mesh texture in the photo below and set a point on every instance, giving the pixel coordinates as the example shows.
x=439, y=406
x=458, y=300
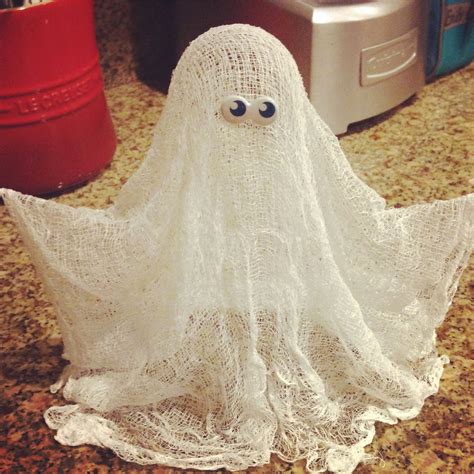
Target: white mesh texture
x=247, y=293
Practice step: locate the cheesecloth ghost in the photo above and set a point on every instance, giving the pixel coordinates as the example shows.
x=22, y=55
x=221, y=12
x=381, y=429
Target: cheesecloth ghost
x=246, y=293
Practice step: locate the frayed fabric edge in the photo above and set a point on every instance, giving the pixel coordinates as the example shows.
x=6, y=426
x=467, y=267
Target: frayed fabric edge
x=90, y=428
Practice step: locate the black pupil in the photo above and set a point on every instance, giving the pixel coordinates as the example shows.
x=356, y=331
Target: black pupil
x=269, y=111
x=239, y=110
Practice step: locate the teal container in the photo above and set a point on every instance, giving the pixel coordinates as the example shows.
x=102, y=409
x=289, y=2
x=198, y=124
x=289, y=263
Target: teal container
x=450, y=36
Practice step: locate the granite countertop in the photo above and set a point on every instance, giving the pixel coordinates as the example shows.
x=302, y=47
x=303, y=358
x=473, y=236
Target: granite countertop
x=422, y=150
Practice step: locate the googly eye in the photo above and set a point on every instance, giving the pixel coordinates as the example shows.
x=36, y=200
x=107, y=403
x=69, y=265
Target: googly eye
x=234, y=108
x=265, y=110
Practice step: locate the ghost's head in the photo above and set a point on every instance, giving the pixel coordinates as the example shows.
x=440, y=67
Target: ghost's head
x=238, y=81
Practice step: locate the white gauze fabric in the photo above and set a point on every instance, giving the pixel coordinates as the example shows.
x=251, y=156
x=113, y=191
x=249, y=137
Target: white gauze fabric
x=246, y=293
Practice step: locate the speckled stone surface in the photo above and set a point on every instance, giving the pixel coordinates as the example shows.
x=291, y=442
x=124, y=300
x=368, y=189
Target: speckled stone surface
x=113, y=27
x=421, y=151
x=135, y=39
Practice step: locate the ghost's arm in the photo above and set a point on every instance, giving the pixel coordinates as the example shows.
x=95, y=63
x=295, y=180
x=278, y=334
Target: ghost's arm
x=90, y=249
x=423, y=249
x=391, y=257
x=93, y=269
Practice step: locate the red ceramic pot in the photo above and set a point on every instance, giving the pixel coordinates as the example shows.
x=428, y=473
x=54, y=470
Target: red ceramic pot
x=55, y=127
